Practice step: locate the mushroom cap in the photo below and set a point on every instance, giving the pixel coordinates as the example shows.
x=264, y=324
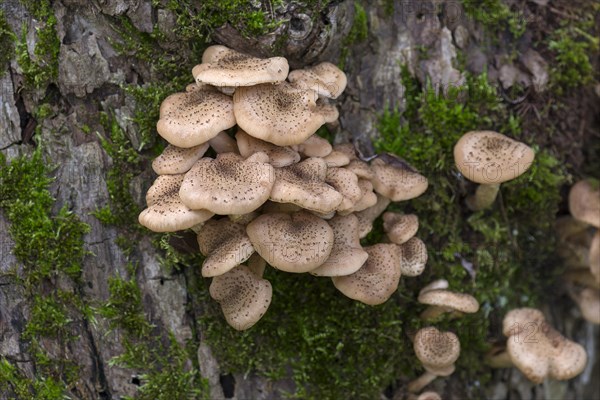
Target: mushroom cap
x=584, y=202
x=437, y=284
x=222, y=66
x=347, y=255
x=225, y=246
x=304, y=184
x=346, y=183
x=244, y=297
x=400, y=227
x=488, y=157
x=594, y=256
x=413, y=257
x=192, y=118
x=588, y=300
x=324, y=78
x=336, y=159
x=376, y=280
x=278, y=156
x=314, y=146
x=462, y=302
x=435, y=349
x=397, y=182
x=279, y=114
x=368, y=198
x=361, y=169
x=166, y=212
x=296, y=242
x=228, y=184
x=429, y=396
x=368, y=215
x=346, y=148
x=329, y=112
x=223, y=143
x=177, y=160
x=538, y=350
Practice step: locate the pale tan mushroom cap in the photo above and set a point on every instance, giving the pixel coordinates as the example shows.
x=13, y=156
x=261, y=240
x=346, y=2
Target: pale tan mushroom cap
x=437, y=284
x=413, y=257
x=279, y=114
x=278, y=156
x=224, y=244
x=400, y=227
x=177, y=160
x=450, y=300
x=329, y=112
x=361, y=169
x=297, y=242
x=304, y=184
x=226, y=67
x=368, y=197
x=228, y=184
x=346, y=183
x=166, y=212
x=488, y=157
x=336, y=159
x=594, y=256
x=244, y=297
x=347, y=255
x=223, y=143
x=314, y=146
x=192, y=118
x=429, y=396
x=395, y=182
x=584, y=202
x=435, y=349
x=324, y=78
x=376, y=280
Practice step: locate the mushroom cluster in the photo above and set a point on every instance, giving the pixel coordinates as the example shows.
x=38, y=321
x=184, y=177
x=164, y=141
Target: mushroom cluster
x=272, y=191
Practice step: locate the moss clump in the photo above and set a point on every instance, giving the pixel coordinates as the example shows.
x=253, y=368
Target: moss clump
x=358, y=33
x=7, y=39
x=496, y=16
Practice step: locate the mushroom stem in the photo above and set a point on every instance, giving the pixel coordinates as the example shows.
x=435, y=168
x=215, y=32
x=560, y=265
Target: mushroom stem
x=418, y=384
x=499, y=359
x=484, y=197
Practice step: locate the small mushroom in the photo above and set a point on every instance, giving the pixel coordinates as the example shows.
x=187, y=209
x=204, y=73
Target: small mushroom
x=400, y=227
x=223, y=143
x=325, y=78
x=413, y=257
x=278, y=156
x=243, y=296
x=441, y=301
x=368, y=198
x=584, y=202
x=490, y=158
x=177, y=160
x=437, y=351
x=538, y=350
x=314, y=146
x=336, y=159
x=346, y=183
x=594, y=256
x=397, y=182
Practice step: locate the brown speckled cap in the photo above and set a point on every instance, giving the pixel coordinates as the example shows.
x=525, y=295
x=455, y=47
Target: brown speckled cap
x=222, y=66
x=447, y=299
x=413, y=257
x=166, y=212
x=368, y=198
x=224, y=244
x=304, y=184
x=177, y=160
x=324, y=78
x=192, y=118
x=435, y=349
x=396, y=182
x=228, y=184
x=538, y=350
x=347, y=255
x=488, y=157
x=336, y=159
x=400, y=227
x=243, y=296
x=279, y=114
x=584, y=202
x=346, y=183
x=296, y=242
x=279, y=156
x=376, y=280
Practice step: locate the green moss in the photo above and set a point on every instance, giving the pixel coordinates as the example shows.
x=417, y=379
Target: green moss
x=7, y=39
x=496, y=16
x=358, y=33
x=14, y=382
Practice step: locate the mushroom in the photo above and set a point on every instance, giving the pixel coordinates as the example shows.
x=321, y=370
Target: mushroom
x=325, y=78
x=367, y=216
x=224, y=67
x=588, y=300
x=346, y=183
x=368, y=198
x=278, y=156
x=177, y=160
x=490, y=158
x=397, y=181
x=296, y=242
x=538, y=350
x=413, y=257
x=336, y=159
x=400, y=227
x=584, y=202
x=225, y=246
x=223, y=143
x=166, y=212
x=243, y=296
x=228, y=184
x=376, y=280
x=441, y=301
x=192, y=118
x=347, y=255
x=437, y=351
x=314, y=146
x=594, y=256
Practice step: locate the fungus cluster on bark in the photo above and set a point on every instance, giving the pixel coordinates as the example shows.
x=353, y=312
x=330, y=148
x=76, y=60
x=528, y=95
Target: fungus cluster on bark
x=274, y=192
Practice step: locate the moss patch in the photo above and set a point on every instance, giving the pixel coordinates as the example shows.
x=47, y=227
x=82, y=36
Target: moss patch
x=7, y=38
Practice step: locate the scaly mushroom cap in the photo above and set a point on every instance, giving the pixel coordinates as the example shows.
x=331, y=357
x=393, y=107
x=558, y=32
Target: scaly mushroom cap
x=314, y=146
x=450, y=300
x=279, y=114
x=348, y=149
x=226, y=67
x=361, y=169
x=304, y=184
x=368, y=198
x=437, y=350
x=538, y=350
x=397, y=182
x=584, y=202
x=400, y=227
x=324, y=78
x=347, y=255
x=177, y=160
x=166, y=212
x=336, y=159
x=488, y=157
x=243, y=296
x=346, y=183
x=223, y=143
x=376, y=280
x=192, y=118
x=367, y=216
x=413, y=257
x=228, y=184
x=278, y=156
x=297, y=242
x=225, y=246
x=329, y=112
